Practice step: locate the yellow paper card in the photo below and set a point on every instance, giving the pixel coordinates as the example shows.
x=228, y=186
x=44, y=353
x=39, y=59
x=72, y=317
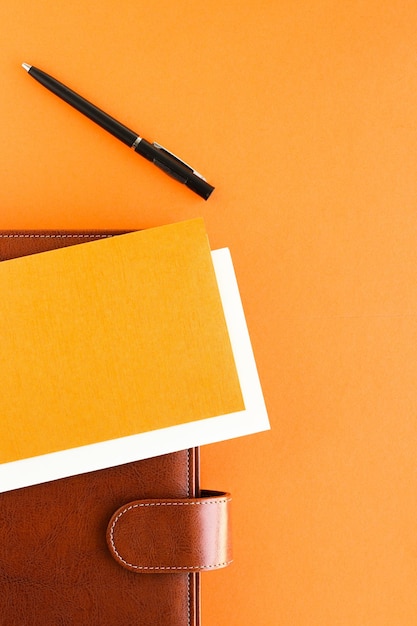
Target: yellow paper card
x=111, y=338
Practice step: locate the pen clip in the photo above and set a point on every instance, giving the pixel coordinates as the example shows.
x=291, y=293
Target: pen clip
x=174, y=156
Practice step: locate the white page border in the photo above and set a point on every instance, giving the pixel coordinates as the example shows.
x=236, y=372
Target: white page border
x=253, y=419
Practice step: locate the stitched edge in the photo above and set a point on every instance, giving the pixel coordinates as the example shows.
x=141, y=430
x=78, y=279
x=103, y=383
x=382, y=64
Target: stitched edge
x=53, y=235
x=148, y=504
x=189, y=575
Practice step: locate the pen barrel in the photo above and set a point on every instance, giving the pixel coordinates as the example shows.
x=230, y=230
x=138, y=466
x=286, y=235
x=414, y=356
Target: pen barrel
x=174, y=167
x=85, y=107
x=200, y=187
x=165, y=160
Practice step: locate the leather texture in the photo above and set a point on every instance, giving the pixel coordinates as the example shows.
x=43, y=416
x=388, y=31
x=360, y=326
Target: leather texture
x=172, y=535
x=55, y=565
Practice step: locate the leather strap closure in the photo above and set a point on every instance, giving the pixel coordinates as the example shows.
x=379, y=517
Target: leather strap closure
x=168, y=536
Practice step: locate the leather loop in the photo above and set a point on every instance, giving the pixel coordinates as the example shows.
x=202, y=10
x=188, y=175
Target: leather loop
x=172, y=535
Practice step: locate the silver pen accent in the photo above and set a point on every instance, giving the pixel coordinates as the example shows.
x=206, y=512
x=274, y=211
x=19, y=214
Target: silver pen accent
x=158, y=145
x=136, y=142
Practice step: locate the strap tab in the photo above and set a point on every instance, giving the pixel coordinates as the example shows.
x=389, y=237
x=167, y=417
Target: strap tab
x=172, y=535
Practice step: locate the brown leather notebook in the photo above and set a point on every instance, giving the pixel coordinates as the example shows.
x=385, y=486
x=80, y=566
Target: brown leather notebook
x=124, y=545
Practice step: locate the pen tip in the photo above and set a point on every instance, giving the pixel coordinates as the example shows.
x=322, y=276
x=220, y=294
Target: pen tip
x=26, y=66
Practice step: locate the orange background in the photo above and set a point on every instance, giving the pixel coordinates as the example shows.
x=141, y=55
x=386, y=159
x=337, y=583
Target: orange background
x=303, y=115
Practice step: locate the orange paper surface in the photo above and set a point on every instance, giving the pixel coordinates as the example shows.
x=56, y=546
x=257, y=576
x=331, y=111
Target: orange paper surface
x=112, y=338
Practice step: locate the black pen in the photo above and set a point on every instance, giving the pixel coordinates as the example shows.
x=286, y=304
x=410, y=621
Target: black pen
x=154, y=152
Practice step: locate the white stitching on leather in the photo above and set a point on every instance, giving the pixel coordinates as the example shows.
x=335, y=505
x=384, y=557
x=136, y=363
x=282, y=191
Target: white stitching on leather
x=144, y=504
x=53, y=235
x=189, y=575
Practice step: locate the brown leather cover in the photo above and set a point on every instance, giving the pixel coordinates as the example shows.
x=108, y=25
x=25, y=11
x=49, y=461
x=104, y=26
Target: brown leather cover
x=55, y=565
